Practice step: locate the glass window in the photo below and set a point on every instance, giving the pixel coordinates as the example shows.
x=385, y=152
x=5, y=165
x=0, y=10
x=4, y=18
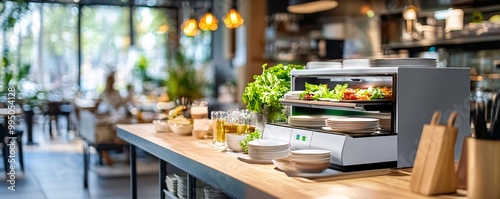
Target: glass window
x=105, y=46
x=59, y=45
x=43, y=46
x=154, y=28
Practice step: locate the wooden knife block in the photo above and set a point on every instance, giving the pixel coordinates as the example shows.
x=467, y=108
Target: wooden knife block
x=434, y=170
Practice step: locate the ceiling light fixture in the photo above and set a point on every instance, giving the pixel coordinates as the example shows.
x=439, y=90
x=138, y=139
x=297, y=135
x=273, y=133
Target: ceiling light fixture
x=208, y=21
x=233, y=18
x=190, y=27
x=310, y=6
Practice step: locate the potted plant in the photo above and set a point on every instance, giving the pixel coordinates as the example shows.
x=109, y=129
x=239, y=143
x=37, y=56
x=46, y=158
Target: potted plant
x=262, y=95
x=182, y=80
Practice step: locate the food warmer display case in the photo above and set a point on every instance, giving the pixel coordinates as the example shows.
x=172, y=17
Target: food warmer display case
x=416, y=94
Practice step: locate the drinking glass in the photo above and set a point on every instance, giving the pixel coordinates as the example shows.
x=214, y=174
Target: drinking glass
x=231, y=121
x=219, y=134
x=199, y=109
x=245, y=122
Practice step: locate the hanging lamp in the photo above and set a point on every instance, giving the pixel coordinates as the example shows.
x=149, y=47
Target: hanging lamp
x=310, y=6
x=208, y=21
x=190, y=26
x=233, y=18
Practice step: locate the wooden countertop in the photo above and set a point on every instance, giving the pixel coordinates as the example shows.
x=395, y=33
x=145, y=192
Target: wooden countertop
x=225, y=171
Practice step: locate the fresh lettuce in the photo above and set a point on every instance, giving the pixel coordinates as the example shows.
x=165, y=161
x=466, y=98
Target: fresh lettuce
x=267, y=88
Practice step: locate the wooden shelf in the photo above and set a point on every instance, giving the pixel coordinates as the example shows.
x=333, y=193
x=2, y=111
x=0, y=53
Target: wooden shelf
x=348, y=106
x=442, y=42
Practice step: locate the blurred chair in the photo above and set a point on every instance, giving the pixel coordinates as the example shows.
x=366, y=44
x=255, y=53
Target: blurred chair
x=100, y=134
x=53, y=111
x=5, y=149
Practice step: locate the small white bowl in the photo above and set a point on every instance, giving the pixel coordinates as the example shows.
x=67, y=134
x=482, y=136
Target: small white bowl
x=161, y=126
x=233, y=142
x=311, y=167
x=181, y=129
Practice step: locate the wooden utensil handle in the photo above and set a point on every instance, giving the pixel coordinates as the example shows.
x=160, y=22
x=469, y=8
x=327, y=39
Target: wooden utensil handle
x=435, y=118
x=452, y=118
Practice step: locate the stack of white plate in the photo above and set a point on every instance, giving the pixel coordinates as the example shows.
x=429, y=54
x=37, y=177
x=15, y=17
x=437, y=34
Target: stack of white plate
x=352, y=125
x=402, y=62
x=171, y=182
x=308, y=120
x=267, y=150
x=311, y=160
x=358, y=63
x=211, y=192
x=293, y=95
x=181, y=185
x=318, y=65
x=385, y=120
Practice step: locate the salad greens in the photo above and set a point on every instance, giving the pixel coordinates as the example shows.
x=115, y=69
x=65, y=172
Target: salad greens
x=376, y=93
x=270, y=86
x=316, y=92
x=251, y=136
x=342, y=92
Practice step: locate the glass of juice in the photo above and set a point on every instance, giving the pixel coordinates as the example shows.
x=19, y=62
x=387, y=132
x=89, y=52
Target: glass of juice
x=218, y=118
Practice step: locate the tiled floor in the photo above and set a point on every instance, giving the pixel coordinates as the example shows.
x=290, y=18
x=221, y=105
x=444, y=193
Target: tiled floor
x=54, y=170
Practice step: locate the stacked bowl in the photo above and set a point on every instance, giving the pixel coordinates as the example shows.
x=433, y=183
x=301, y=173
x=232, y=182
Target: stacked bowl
x=267, y=150
x=311, y=160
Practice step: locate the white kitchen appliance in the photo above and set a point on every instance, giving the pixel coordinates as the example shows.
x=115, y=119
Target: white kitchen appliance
x=417, y=93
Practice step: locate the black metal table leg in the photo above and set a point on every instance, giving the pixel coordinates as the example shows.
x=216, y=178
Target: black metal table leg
x=85, y=165
x=163, y=172
x=191, y=187
x=28, y=116
x=133, y=172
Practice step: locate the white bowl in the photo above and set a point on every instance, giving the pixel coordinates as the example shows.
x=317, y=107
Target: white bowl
x=181, y=129
x=161, y=126
x=311, y=167
x=233, y=141
x=312, y=161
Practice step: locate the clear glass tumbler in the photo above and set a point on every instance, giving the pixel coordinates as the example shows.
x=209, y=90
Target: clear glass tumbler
x=218, y=118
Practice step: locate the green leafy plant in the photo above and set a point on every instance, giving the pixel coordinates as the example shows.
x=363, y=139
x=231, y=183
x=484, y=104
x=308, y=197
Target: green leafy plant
x=141, y=69
x=263, y=94
x=12, y=13
x=182, y=79
x=249, y=137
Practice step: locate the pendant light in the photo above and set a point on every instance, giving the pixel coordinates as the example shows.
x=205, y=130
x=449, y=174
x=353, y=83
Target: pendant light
x=410, y=20
x=310, y=6
x=208, y=21
x=190, y=26
x=233, y=18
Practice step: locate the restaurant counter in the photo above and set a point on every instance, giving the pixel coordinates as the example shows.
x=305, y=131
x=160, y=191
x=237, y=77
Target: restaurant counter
x=224, y=171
